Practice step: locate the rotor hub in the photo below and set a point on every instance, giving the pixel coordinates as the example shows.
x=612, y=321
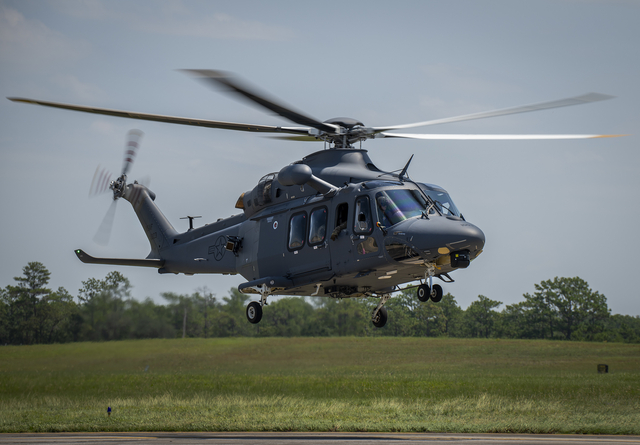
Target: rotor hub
x=118, y=186
x=347, y=131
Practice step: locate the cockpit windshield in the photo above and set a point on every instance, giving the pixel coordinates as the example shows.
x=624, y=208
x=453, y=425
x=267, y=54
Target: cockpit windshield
x=399, y=204
x=442, y=200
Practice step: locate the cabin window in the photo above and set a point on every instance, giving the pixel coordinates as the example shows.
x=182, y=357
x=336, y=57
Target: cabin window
x=362, y=219
x=317, y=226
x=342, y=213
x=297, y=230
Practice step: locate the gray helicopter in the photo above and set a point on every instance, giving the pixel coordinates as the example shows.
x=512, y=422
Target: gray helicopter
x=332, y=224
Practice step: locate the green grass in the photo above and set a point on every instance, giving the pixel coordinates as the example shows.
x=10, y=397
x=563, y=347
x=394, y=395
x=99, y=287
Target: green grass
x=322, y=384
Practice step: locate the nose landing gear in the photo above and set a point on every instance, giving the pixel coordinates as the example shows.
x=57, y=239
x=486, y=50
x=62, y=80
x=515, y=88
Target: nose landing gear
x=430, y=291
x=433, y=293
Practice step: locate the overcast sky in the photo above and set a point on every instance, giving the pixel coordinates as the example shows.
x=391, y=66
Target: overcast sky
x=547, y=208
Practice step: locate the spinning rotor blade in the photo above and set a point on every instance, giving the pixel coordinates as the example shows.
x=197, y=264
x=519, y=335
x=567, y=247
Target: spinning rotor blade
x=131, y=149
x=494, y=137
x=296, y=138
x=104, y=231
x=100, y=183
x=577, y=100
x=167, y=119
x=233, y=83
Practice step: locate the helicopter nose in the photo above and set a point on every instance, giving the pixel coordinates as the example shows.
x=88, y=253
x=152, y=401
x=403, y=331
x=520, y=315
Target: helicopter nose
x=473, y=236
x=443, y=235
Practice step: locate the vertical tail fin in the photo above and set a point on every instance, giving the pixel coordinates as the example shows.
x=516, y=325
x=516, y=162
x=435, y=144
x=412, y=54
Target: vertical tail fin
x=156, y=226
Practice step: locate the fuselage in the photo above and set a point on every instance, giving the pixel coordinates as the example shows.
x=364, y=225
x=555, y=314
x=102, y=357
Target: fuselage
x=369, y=235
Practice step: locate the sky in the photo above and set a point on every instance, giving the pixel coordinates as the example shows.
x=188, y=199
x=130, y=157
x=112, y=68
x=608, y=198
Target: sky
x=548, y=208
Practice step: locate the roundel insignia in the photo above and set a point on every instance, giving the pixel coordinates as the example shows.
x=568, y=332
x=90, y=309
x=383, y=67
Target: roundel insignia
x=275, y=225
x=218, y=249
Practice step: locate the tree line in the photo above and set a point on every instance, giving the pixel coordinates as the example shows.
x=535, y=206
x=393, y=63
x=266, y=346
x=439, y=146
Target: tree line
x=559, y=309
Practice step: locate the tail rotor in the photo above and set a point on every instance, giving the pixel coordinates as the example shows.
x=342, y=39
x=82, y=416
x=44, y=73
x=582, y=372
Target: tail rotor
x=102, y=182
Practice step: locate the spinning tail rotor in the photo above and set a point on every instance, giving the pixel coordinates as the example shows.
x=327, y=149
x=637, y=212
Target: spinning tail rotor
x=103, y=182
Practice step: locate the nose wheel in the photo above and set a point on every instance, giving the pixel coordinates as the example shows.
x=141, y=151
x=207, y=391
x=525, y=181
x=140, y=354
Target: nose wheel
x=430, y=291
x=433, y=293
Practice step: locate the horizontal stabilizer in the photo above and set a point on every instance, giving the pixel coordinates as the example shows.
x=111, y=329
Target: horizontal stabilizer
x=86, y=258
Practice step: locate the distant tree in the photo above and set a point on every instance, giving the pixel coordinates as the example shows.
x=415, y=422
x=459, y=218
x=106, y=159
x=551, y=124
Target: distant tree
x=33, y=313
x=30, y=297
x=480, y=317
x=513, y=322
x=453, y=316
x=104, y=302
x=430, y=320
x=234, y=315
x=402, y=310
x=30, y=312
x=622, y=328
x=341, y=317
x=59, y=318
x=149, y=320
x=413, y=318
x=5, y=321
x=570, y=307
x=286, y=317
x=182, y=307
x=539, y=316
x=207, y=300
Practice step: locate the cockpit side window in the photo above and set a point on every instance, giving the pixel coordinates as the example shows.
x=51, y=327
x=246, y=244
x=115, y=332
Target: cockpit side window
x=443, y=201
x=396, y=205
x=362, y=219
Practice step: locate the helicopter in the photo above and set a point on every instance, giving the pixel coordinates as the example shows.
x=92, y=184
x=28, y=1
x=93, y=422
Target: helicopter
x=329, y=225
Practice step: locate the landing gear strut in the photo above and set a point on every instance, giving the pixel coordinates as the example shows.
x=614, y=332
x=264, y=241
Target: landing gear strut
x=254, y=309
x=430, y=291
x=379, y=316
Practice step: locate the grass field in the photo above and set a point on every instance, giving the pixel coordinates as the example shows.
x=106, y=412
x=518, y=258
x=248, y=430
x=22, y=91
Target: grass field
x=322, y=384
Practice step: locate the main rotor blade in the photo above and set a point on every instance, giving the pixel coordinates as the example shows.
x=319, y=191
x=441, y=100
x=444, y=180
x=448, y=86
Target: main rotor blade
x=296, y=138
x=494, y=137
x=167, y=119
x=234, y=84
x=577, y=100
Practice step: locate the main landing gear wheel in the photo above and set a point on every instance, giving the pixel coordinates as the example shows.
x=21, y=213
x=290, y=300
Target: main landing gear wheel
x=381, y=318
x=425, y=293
x=254, y=312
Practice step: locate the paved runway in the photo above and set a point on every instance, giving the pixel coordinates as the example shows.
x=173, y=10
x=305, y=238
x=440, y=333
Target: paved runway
x=308, y=438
